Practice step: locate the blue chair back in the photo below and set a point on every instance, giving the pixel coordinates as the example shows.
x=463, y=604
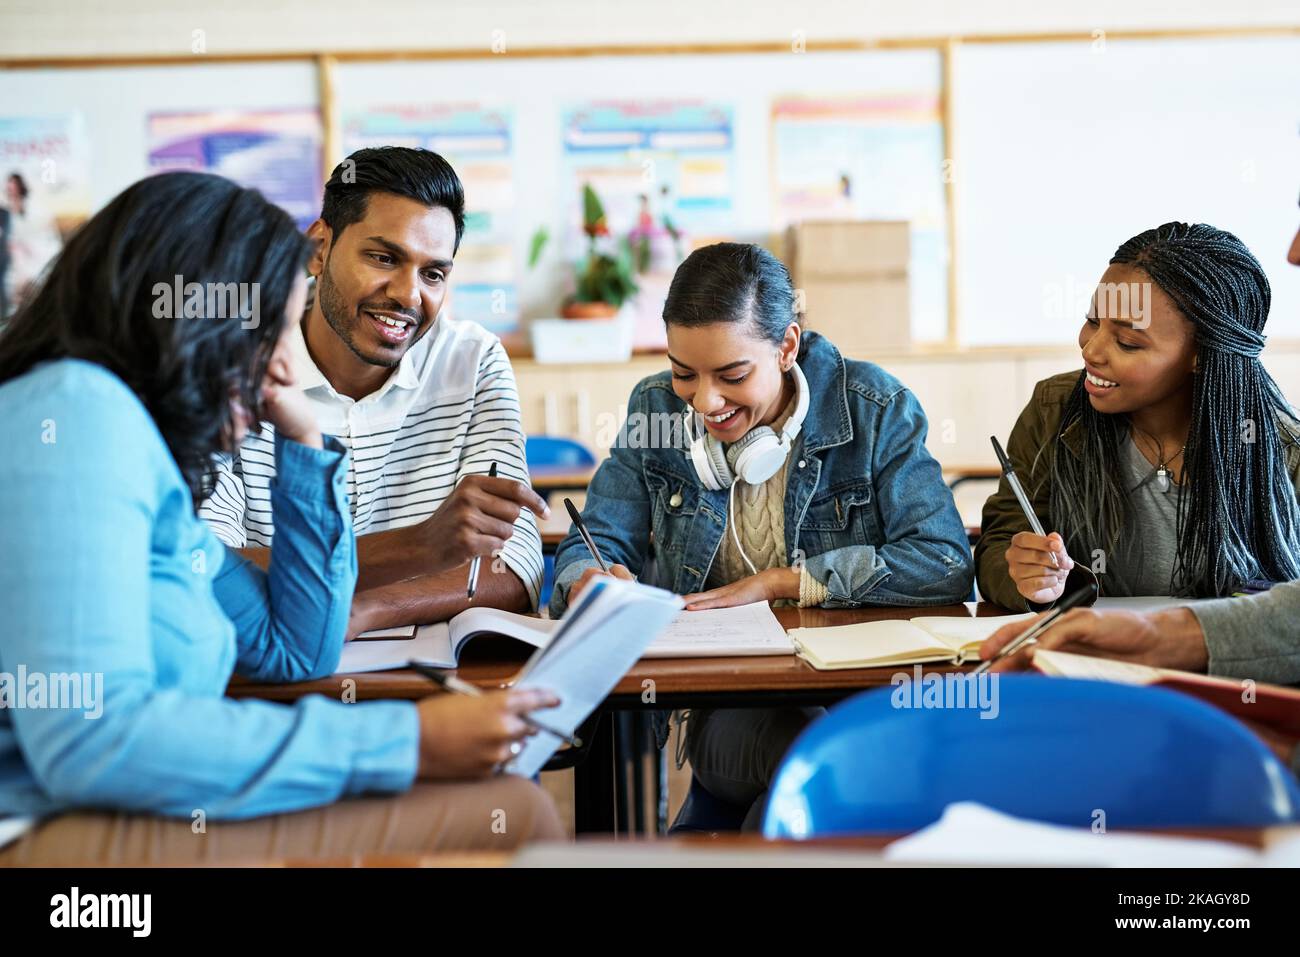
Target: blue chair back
x=557, y=453
x=1057, y=750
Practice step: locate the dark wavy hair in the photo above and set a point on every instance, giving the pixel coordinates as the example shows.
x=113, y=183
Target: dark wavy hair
x=1238, y=520
x=97, y=302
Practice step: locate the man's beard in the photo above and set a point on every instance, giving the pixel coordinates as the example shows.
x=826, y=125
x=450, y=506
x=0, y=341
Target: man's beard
x=335, y=312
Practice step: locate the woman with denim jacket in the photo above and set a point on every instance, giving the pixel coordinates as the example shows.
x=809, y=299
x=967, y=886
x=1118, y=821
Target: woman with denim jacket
x=835, y=501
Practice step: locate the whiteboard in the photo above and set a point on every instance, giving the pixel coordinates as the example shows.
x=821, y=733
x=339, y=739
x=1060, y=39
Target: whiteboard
x=538, y=90
x=1065, y=152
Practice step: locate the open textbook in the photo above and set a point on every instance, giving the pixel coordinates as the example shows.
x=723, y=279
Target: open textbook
x=439, y=645
x=719, y=632
x=881, y=644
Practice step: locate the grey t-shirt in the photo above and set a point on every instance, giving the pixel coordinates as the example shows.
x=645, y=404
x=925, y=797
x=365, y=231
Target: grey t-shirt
x=1148, y=548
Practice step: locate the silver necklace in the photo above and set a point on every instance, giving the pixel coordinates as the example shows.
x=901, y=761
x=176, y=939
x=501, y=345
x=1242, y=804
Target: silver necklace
x=1163, y=480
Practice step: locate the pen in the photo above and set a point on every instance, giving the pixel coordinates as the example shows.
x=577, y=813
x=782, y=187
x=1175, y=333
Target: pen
x=1031, y=636
x=586, y=535
x=451, y=683
x=1010, y=474
x=473, y=566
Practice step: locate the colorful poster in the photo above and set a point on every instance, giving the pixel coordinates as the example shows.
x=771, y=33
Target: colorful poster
x=477, y=140
x=275, y=151
x=664, y=171
x=45, y=175
x=658, y=158
x=869, y=157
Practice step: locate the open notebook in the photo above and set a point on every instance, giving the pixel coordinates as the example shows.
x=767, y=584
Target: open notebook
x=881, y=644
x=1271, y=705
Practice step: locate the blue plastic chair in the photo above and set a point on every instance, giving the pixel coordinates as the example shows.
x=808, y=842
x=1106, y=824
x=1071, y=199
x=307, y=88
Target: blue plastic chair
x=1058, y=751
x=556, y=453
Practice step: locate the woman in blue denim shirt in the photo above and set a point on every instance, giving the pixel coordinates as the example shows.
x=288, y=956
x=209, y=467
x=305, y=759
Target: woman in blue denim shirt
x=838, y=503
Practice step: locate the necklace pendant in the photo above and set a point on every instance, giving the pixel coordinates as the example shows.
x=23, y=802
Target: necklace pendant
x=1162, y=479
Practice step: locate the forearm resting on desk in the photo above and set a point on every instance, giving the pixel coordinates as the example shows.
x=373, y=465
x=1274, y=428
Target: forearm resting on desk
x=429, y=598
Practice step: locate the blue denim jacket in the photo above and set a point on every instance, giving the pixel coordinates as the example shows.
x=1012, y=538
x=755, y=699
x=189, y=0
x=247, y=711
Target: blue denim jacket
x=865, y=503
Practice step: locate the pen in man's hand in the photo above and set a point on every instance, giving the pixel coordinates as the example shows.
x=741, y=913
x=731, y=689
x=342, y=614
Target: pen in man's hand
x=473, y=566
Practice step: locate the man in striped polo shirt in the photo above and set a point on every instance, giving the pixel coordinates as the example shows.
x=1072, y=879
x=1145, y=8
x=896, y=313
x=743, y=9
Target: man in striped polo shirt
x=426, y=404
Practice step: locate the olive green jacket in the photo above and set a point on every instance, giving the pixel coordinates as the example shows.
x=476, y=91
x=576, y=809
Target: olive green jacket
x=1030, y=449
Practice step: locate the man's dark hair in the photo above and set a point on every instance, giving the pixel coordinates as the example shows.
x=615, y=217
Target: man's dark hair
x=421, y=175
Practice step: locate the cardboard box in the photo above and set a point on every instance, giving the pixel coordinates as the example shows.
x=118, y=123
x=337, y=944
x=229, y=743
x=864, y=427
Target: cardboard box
x=848, y=247
x=853, y=277
x=862, y=317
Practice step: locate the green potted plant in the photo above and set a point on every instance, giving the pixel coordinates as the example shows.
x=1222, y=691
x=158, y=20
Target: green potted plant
x=603, y=279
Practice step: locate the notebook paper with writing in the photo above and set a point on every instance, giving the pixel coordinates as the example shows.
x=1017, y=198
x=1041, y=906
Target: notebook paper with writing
x=743, y=630
x=882, y=644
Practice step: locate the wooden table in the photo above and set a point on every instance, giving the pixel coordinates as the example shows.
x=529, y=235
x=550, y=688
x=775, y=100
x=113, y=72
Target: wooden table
x=754, y=682
x=710, y=850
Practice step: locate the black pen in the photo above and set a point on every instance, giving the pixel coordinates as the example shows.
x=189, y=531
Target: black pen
x=449, y=682
x=473, y=566
x=586, y=535
x=1030, y=636
x=1013, y=480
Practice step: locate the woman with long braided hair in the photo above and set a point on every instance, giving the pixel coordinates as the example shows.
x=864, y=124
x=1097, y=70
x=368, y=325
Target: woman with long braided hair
x=1170, y=463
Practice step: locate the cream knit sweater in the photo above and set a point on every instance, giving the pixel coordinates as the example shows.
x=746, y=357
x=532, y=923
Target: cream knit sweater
x=759, y=511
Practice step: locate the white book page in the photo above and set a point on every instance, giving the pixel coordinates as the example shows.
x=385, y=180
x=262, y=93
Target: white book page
x=723, y=632
x=525, y=628
x=401, y=631
x=431, y=645
x=585, y=665
x=957, y=633
x=970, y=833
x=887, y=641
x=1066, y=664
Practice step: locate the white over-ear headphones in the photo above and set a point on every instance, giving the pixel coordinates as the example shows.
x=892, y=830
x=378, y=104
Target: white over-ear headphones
x=756, y=456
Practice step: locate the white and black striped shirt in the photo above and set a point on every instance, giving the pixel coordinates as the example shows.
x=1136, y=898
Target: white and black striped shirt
x=450, y=409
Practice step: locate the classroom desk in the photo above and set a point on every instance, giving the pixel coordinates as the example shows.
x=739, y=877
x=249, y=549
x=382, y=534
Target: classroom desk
x=600, y=790
x=715, y=850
